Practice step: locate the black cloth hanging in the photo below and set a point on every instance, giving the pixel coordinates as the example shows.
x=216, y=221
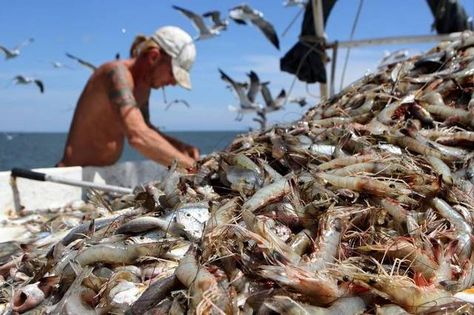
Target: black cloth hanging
x=450, y=16
x=305, y=59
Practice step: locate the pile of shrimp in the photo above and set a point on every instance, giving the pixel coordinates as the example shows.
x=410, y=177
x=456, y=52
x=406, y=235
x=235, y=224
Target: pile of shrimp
x=363, y=206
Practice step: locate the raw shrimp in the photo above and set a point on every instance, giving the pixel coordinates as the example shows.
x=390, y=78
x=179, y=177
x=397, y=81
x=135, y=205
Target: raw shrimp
x=204, y=288
x=441, y=168
x=327, y=243
x=320, y=285
x=404, y=292
x=285, y=305
x=267, y=194
x=463, y=228
x=345, y=161
x=363, y=184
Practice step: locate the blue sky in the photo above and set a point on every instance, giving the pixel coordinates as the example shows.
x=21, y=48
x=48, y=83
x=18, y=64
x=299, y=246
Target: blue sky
x=97, y=30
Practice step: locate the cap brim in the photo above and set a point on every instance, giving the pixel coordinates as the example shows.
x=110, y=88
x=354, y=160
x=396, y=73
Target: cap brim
x=181, y=76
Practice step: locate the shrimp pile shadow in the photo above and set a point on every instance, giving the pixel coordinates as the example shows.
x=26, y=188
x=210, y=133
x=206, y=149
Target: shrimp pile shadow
x=364, y=205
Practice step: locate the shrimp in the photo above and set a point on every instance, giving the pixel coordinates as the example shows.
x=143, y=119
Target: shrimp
x=301, y=241
x=364, y=108
x=221, y=216
x=360, y=184
x=261, y=228
x=417, y=146
x=447, y=112
x=463, y=228
x=118, y=254
x=404, y=292
x=442, y=169
x=321, y=286
x=206, y=294
x=390, y=309
x=460, y=138
x=345, y=161
x=371, y=167
x=419, y=260
x=285, y=305
x=386, y=114
x=27, y=298
x=393, y=207
x=327, y=242
x=266, y=194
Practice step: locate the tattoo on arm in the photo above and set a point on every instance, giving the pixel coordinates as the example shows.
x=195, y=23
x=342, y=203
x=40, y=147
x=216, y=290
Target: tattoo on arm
x=120, y=92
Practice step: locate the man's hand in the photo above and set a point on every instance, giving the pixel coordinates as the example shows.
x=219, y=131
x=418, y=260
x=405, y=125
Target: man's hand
x=192, y=152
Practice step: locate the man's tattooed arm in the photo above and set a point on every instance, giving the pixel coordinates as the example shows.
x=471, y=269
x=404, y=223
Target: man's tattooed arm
x=120, y=90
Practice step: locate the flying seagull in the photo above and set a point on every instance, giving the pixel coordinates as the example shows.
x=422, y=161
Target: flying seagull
x=219, y=24
x=20, y=79
x=242, y=13
x=299, y=100
x=184, y=102
x=246, y=95
x=393, y=57
x=271, y=104
x=204, y=30
x=82, y=62
x=293, y=3
x=57, y=65
x=15, y=52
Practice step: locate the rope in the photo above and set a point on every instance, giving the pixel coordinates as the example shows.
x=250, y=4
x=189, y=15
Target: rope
x=301, y=10
x=354, y=25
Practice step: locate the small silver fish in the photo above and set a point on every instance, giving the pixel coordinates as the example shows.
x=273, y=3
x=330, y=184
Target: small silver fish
x=192, y=217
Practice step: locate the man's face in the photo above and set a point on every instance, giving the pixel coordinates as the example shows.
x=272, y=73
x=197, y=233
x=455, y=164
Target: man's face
x=162, y=72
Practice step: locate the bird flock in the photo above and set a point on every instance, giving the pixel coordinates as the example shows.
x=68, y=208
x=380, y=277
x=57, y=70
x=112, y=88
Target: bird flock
x=246, y=92
x=25, y=80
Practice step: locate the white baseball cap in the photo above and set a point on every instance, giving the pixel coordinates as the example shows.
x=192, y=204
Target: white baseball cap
x=180, y=46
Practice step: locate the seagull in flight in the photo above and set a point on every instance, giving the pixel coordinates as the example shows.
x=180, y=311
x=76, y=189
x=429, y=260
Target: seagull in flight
x=15, y=52
x=204, y=30
x=271, y=104
x=393, y=57
x=299, y=100
x=219, y=24
x=57, y=65
x=242, y=13
x=20, y=79
x=184, y=102
x=246, y=95
x=293, y=3
x=82, y=62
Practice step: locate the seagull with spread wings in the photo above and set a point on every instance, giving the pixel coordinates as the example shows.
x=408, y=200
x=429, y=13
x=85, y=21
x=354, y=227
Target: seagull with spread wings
x=58, y=65
x=299, y=100
x=247, y=95
x=204, y=30
x=272, y=104
x=20, y=79
x=219, y=24
x=82, y=62
x=293, y=3
x=184, y=102
x=15, y=52
x=242, y=13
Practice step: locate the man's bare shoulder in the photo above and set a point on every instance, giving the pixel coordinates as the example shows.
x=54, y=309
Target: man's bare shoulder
x=114, y=66
x=119, y=83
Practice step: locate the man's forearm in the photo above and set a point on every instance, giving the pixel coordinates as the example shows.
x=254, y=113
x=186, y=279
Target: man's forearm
x=157, y=147
x=175, y=142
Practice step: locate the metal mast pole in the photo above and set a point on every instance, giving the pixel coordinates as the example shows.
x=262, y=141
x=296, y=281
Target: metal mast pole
x=319, y=30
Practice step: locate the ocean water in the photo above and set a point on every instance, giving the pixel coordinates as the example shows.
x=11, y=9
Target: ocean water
x=35, y=150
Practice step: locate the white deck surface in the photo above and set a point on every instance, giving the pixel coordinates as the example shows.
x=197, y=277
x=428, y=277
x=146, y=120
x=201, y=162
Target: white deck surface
x=42, y=195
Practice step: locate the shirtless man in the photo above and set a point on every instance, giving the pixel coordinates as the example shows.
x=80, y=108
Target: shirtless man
x=114, y=104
